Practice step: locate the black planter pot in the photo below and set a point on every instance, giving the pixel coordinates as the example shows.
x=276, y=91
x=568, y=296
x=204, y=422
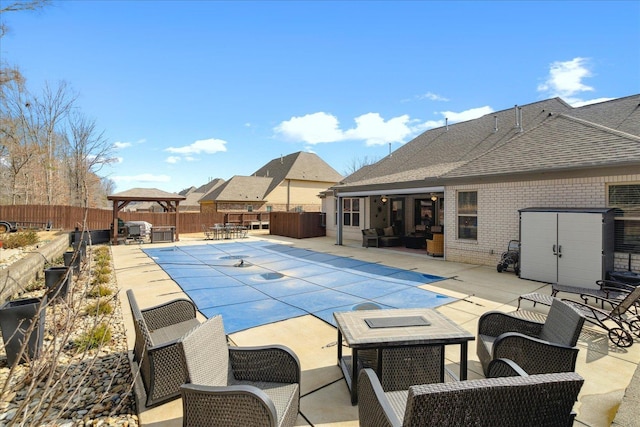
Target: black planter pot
x=57, y=281
x=81, y=248
x=72, y=259
x=16, y=318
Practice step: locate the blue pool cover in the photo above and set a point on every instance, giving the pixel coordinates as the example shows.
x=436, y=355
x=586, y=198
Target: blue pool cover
x=256, y=283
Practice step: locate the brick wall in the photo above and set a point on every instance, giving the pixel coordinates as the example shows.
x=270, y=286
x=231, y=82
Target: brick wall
x=498, y=218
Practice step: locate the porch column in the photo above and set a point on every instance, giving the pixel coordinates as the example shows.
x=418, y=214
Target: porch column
x=339, y=229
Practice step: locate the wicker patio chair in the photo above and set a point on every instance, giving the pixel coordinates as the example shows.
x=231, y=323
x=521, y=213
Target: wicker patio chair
x=233, y=386
x=156, y=352
x=536, y=347
x=517, y=401
x=620, y=321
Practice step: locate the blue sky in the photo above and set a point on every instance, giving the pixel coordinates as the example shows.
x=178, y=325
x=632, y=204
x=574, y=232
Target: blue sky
x=188, y=91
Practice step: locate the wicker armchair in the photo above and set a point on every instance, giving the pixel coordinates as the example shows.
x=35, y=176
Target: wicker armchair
x=156, y=351
x=233, y=386
x=536, y=400
x=536, y=347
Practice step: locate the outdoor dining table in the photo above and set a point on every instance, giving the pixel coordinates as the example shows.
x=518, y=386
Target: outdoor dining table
x=393, y=328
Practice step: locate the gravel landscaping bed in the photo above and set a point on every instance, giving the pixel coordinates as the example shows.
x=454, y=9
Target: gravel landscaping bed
x=75, y=381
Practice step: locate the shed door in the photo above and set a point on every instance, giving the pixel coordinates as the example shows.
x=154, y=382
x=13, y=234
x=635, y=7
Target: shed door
x=538, y=239
x=579, y=249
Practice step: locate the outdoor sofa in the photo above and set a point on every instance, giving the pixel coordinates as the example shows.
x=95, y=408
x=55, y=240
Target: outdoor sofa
x=509, y=397
x=381, y=237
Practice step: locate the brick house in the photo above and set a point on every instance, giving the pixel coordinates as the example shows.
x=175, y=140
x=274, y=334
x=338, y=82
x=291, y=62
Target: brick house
x=287, y=183
x=471, y=178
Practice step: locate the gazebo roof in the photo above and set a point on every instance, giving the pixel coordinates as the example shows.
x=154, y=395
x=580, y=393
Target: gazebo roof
x=146, y=195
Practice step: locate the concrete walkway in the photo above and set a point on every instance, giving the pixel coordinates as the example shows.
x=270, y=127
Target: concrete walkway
x=325, y=400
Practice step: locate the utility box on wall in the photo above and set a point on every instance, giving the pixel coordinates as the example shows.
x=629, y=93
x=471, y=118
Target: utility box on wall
x=567, y=246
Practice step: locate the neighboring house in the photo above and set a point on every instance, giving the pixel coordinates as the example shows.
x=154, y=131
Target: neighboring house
x=288, y=183
x=472, y=178
x=190, y=204
x=193, y=195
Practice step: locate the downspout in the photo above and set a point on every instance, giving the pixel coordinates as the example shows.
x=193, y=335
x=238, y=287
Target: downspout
x=288, y=194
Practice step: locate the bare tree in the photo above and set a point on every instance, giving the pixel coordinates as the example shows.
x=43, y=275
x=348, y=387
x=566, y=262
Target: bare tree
x=52, y=108
x=19, y=6
x=19, y=131
x=358, y=163
x=88, y=152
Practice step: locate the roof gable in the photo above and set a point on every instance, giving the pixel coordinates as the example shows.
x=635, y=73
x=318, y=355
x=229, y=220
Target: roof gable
x=239, y=189
x=300, y=166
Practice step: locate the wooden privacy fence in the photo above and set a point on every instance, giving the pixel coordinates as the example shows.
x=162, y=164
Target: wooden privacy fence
x=299, y=225
x=70, y=217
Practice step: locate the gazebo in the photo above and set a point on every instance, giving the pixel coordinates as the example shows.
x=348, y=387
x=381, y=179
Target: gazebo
x=168, y=201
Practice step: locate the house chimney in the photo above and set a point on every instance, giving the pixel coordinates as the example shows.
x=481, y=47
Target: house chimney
x=281, y=159
x=516, y=110
x=446, y=122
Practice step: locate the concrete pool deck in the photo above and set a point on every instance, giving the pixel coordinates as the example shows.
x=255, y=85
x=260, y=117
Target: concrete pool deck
x=325, y=399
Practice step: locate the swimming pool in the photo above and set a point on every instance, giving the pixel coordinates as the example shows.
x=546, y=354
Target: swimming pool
x=256, y=283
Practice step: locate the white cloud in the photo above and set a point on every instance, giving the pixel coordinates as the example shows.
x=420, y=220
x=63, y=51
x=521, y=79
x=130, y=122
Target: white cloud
x=119, y=145
x=590, y=101
x=172, y=159
x=145, y=177
x=565, y=79
x=313, y=128
x=432, y=97
x=371, y=128
x=204, y=146
x=463, y=116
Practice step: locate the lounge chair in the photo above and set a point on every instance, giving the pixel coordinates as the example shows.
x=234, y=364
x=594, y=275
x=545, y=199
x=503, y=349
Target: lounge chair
x=537, y=347
x=233, y=386
x=607, y=289
x=621, y=315
x=523, y=400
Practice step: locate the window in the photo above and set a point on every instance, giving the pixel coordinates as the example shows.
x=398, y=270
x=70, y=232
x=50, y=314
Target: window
x=269, y=208
x=625, y=198
x=249, y=208
x=351, y=212
x=468, y=215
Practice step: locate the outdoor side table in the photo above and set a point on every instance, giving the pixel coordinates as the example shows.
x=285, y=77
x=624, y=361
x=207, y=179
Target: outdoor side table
x=388, y=329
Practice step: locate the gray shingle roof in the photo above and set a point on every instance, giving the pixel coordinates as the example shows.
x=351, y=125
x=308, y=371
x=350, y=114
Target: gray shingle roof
x=240, y=189
x=555, y=136
x=143, y=194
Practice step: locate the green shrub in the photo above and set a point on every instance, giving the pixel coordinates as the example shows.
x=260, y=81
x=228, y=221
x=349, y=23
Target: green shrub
x=104, y=270
x=100, y=279
x=99, y=291
x=20, y=239
x=95, y=337
x=99, y=307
